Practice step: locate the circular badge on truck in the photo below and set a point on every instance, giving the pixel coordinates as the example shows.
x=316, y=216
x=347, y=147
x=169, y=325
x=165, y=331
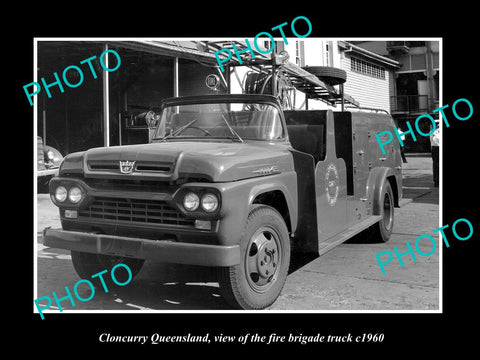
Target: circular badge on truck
x=331, y=184
x=212, y=81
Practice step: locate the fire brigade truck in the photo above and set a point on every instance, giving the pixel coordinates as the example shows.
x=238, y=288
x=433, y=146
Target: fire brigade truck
x=233, y=181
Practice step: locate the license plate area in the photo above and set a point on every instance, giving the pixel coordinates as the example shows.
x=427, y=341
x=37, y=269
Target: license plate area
x=121, y=247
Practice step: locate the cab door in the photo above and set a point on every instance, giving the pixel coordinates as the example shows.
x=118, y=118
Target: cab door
x=331, y=189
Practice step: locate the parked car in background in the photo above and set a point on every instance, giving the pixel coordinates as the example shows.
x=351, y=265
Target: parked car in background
x=48, y=163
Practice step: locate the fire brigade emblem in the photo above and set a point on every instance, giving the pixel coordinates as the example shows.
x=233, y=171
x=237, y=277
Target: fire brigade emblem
x=126, y=167
x=331, y=184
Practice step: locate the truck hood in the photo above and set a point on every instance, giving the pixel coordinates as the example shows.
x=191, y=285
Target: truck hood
x=170, y=161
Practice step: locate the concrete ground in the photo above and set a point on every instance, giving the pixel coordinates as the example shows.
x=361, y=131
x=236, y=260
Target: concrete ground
x=346, y=278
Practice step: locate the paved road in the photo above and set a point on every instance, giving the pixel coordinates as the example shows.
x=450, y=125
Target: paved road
x=346, y=278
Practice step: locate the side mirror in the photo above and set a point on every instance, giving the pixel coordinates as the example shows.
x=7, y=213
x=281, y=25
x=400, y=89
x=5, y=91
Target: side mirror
x=151, y=118
x=147, y=119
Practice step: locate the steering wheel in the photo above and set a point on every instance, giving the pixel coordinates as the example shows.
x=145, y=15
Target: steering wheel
x=206, y=132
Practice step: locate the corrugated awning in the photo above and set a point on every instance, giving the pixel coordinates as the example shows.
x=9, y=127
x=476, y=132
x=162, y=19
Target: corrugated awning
x=201, y=50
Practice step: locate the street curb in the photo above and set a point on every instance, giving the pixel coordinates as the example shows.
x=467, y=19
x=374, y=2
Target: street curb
x=427, y=154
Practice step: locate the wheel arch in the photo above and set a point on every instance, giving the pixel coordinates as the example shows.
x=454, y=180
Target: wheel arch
x=393, y=183
x=276, y=199
x=375, y=184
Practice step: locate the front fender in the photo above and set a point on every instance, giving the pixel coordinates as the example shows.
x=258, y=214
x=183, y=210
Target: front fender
x=288, y=187
x=238, y=196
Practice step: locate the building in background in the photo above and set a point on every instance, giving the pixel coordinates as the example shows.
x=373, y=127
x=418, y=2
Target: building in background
x=370, y=76
x=416, y=83
x=386, y=75
x=99, y=111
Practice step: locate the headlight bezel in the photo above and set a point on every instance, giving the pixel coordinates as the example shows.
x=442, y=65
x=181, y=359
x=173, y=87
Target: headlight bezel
x=80, y=200
x=201, y=211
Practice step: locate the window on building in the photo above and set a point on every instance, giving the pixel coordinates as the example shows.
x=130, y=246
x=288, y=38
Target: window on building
x=416, y=43
x=367, y=68
x=300, y=53
x=327, y=54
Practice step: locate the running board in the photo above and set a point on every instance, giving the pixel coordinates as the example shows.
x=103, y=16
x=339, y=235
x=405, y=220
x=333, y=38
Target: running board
x=347, y=234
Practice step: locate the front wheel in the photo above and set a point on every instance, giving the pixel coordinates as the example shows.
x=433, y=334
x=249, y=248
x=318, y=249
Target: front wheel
x=257, y=281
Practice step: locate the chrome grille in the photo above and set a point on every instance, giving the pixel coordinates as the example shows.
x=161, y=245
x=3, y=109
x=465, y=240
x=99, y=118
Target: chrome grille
x=140, y=166
x=134, y=210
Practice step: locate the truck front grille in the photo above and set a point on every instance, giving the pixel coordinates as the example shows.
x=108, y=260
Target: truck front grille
x=140, y=166
x=134, y=210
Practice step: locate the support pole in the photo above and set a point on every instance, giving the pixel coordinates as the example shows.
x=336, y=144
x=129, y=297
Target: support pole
x=430, y=76
x=175, y=77
x=106, y=105
x=120, y=129
x=44, y=121
x=343, y=97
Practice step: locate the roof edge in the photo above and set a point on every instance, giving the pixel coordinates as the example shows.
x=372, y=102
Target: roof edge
x=345, y=45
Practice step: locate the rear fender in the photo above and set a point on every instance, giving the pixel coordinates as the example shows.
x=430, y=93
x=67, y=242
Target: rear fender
x=375, y=186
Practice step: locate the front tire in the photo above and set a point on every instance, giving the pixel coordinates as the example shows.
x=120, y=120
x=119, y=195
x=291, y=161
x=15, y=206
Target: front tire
x=258, y=280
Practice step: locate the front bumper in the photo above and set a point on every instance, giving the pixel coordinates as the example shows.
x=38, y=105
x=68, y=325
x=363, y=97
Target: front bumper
x=47, y=172
x=164, y=250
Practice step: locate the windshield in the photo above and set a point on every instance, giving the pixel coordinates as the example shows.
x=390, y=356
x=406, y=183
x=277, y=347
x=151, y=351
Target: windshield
x=236, y=121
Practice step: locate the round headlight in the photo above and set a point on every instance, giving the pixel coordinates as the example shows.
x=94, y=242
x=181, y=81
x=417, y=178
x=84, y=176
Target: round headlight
x=191, y=201
x=50, y=155
x=75, y=195
x=209, y=202
x=60, y=194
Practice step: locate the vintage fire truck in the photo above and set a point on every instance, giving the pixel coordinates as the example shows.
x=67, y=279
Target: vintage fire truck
x=232, y=181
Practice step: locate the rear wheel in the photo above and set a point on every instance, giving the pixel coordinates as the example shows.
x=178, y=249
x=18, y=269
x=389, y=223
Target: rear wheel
x=87, y=264
x=257, y=281
x=383, y=229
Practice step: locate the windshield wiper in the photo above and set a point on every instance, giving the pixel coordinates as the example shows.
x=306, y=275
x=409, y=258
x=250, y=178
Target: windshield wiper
x=178, y=130
x=231, y=129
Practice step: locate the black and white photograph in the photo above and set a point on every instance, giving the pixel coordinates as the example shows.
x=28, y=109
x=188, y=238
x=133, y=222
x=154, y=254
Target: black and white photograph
x=233, y=175
x=265, y=182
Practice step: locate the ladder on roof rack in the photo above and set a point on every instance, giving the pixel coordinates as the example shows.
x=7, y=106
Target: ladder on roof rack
x=315, y=88
x=298, y=78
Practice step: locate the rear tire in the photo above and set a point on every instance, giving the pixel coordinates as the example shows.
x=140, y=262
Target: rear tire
x=258, y=280
x=87, y=264
x=383, y=229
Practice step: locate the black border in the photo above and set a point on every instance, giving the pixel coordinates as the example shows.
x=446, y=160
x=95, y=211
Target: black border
x=406, y=333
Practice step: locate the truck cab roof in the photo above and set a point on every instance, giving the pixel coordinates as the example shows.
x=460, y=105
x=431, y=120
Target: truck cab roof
x=221, y=98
